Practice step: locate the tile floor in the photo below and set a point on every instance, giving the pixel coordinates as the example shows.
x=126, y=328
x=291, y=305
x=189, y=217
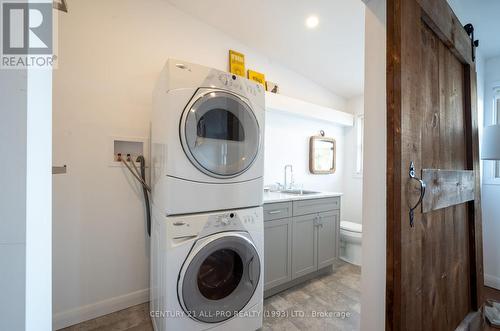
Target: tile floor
x=492, y=294
x=336, y=294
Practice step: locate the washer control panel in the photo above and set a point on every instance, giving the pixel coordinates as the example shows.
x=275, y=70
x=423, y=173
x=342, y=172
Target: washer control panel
x=236, y=220
x=228, y=220
x=200, y=225
x=250, y=219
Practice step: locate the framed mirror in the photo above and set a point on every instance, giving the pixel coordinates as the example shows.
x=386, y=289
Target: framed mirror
x=322, y=154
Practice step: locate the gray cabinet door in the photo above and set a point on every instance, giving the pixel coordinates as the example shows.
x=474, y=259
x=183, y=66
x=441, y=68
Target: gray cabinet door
x=277, y=252
x=304, y=247
x=328, y=238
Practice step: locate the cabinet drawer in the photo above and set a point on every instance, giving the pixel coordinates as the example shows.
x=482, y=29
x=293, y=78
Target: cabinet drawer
x=311, y=206
x=274, y=211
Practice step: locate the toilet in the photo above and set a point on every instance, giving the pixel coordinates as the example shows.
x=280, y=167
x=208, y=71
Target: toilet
x=350, y=242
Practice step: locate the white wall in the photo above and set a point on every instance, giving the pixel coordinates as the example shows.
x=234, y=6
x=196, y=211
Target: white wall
x=491, y=193
x=374, y=177
x=39, y=201
x=287, y=142
x=352, y=186
x=110, y=54
x=13, y=113
x=25, y=199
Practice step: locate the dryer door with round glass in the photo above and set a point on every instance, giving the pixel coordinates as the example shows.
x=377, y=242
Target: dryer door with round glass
x=220, y=133
x=219, y=277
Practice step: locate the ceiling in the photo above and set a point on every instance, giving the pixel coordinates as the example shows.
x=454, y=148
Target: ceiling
x=331, y=55
x=484, y=15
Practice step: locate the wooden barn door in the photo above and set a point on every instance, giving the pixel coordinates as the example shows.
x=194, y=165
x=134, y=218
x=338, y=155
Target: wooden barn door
x=434, y=257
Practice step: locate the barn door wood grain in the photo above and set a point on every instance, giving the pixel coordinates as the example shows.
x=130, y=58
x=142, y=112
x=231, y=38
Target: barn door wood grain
x=446, y=188
x=434, y=269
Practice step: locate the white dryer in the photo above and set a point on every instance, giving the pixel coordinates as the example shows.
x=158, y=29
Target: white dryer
x=207, y=134
x=207, y=271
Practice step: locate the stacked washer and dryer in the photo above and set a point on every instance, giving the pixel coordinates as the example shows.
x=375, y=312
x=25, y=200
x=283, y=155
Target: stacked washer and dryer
x=207, y=136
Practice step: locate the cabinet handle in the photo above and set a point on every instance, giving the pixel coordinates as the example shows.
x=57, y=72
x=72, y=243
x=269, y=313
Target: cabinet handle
x=320, y=222
x=273, y=212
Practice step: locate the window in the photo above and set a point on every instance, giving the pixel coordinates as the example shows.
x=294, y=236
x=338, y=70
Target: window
x=359, y=126
x=496, y=115
x=492, y=168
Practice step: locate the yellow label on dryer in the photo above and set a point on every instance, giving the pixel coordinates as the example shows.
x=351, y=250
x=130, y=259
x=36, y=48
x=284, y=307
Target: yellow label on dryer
x=236, y=63
x=257, y=77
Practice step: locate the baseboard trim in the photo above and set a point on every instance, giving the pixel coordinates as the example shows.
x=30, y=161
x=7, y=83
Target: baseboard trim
x=492, y=281
x=280, y=288
x=108, y=306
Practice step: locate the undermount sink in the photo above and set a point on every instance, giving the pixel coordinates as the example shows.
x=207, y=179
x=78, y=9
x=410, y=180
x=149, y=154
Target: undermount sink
x=298, y=192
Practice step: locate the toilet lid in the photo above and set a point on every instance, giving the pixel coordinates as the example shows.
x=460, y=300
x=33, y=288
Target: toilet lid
x=351, y=226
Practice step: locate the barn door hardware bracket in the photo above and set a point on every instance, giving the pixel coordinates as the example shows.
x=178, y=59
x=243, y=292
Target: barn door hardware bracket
x=60, y=5
x=59, y=170
x=422, y=193
x=469, y=28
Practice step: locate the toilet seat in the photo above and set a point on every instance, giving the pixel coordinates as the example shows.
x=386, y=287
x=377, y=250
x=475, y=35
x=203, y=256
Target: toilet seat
x=351, y=227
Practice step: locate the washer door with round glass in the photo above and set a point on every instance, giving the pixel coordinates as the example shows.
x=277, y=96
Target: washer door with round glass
x=220, y=134
x=219, y=277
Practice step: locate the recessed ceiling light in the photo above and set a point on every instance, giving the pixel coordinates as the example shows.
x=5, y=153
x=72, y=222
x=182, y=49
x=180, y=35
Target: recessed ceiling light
x=312, y=22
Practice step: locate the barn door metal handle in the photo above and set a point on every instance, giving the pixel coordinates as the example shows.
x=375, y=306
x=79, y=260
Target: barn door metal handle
x=422, y=193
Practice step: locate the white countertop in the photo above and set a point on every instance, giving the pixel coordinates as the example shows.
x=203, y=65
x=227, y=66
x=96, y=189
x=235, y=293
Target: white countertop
x=271, y=197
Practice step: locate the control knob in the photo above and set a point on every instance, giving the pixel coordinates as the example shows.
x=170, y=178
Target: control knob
x=223, y=79
x=224, y=221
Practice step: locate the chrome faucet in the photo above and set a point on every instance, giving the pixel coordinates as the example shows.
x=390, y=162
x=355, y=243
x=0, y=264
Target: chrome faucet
x=288, y=184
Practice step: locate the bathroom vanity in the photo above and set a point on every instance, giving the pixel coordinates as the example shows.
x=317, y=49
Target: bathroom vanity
x=301, y=237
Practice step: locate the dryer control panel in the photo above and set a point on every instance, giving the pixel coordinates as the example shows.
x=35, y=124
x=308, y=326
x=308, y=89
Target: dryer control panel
x=201, y=225
x=239, y=84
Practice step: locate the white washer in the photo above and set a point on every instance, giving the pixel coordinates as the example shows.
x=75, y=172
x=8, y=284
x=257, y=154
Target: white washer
x=207, y=271
x=207, y=135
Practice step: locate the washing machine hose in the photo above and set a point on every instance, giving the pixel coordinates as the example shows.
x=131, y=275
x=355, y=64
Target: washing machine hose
x=142, y=161
x=141, y=177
